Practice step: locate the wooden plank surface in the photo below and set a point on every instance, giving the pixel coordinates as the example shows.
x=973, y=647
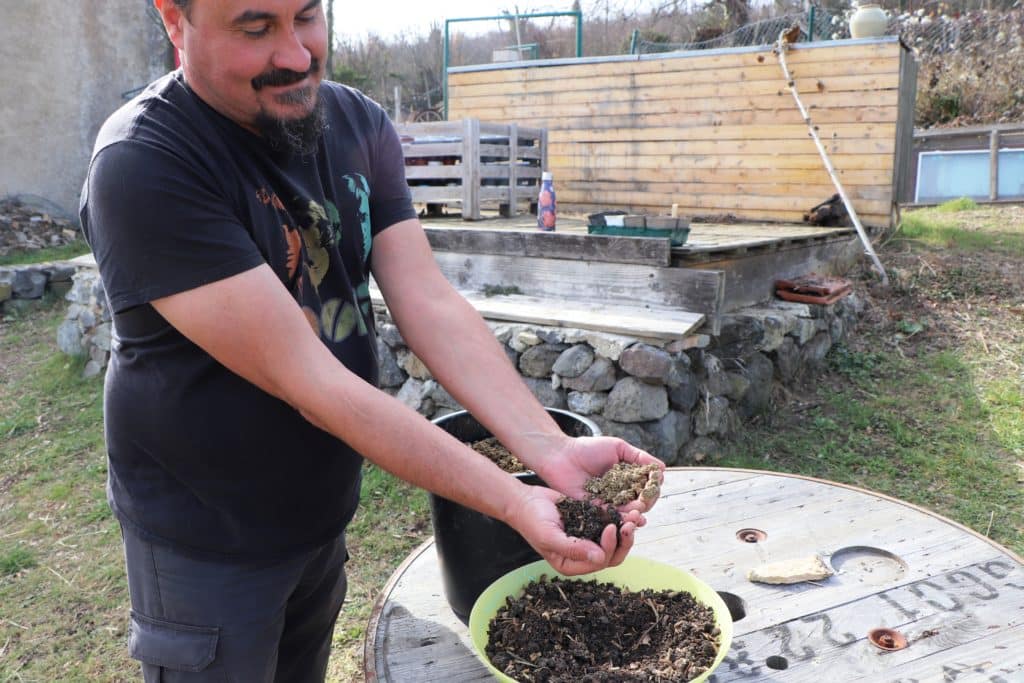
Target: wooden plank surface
x=955, y=595
x=639, y=250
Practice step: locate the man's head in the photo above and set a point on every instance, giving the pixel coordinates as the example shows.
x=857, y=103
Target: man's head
x=258, y=62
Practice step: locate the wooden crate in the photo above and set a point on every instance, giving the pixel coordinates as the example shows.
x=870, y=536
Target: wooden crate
x=473, y=163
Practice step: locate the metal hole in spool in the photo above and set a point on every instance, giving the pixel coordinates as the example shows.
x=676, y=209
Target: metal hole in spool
x=737, y=608
x=887, y=639
x=751, y=535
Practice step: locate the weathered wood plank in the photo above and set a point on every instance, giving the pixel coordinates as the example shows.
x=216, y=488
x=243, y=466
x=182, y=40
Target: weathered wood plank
x=581, y=156
x=799, y=56
x=752, y=276
x=712, y=88
x=707, y=203
x=698, y=291
x=671, y=186
x=644, y=322
x=734, y=108
x=639, y=250
x=557, y=146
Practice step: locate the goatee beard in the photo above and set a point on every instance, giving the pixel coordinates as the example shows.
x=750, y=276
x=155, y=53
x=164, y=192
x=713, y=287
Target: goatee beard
x=298, y=136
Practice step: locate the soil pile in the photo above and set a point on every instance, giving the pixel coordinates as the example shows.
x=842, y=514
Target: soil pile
x=571, y=631
x=492, y=449
x=24, y=228
x=583, y=519
x=625, y=483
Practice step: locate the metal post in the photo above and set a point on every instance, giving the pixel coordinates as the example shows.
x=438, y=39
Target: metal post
x=810, y=25
x=634, y=41
x=993, y=165
x=444, y=71
x=579, y=33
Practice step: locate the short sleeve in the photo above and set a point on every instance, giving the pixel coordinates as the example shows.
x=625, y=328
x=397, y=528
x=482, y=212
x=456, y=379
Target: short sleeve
x=390, y=199
x=159, y=226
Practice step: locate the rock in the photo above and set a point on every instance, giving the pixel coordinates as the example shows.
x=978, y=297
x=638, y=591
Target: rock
x=647, y=363
x=739, y=385
x=92, y=369
x=739, y=336
x=711, y=416
x=670, y=434
x=99, y=355
x=391, y=375
x=587, y=402
x=714, y=378
x=700, y=449
x=502, y=333
x=513, y=357
x=608, y=345
x=101, y=336
x=69, y=338
x=415, y=393
x=550, y=336
x=684, y=394
x=758, y=369
x=86, y=319
x=390, y=334
x=442, y=399
x=787, y=360
x=29, y=283
x=81, y=290
x=600, y=376
x=412, y=365
x=632, y=400
x=796, y=570
x=835, y=329
x=524, y=340
x=537, y=361
x=60, y=287
x=814, y=351
x=804, y=330
x=776, y=324
x=633, y=433
x=548, y=397
x=574, y=361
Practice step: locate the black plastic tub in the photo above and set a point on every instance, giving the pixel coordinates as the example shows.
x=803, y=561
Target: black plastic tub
x=475, y=550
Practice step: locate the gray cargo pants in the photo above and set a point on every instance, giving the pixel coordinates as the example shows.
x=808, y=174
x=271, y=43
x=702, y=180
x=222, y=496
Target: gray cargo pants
x=199, y=620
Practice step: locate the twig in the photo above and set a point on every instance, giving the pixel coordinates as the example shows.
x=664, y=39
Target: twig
x=14, y=623
x=3, y=650
x=780, y=47
x=991, y=517
x=981, y=338
x=58, y=575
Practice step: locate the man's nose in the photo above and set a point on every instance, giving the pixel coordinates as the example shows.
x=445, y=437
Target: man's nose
x=290, y=53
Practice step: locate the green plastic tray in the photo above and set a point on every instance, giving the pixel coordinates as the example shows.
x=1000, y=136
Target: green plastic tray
x=677, y=236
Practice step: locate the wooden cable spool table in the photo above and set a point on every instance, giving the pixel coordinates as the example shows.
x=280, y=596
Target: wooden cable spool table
x=955, y=596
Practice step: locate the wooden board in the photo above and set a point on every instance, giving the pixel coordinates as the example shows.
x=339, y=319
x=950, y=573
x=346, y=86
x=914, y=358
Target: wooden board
x=958, y=597
x=618, y=284
x=737, y=113
x=638, y=250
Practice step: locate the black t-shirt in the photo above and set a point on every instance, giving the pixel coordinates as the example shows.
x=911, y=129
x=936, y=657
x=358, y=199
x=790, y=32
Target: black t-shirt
x=179, y=196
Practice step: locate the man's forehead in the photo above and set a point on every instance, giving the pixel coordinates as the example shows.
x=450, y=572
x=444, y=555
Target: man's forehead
x=249, y=10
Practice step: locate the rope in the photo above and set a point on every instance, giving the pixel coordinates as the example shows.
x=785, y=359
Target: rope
x=781, y=46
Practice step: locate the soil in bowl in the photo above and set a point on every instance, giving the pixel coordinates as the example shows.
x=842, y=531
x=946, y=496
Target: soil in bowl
x=583, y=519
x=563, y=630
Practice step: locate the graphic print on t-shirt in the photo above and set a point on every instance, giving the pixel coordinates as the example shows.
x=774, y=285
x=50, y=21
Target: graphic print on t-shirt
x=312, y=235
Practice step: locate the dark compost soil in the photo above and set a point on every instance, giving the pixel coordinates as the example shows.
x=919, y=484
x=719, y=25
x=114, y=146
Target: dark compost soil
x=499, y=455
x=571, y=631
x=583, y=519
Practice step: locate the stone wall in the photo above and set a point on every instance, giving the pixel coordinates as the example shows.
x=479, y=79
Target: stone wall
x=677, y=400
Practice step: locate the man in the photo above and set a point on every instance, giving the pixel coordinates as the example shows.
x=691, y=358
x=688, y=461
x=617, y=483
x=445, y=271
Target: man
x=236, y=209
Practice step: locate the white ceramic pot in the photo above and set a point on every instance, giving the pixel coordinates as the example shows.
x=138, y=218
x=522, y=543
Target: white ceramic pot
x=869, y=21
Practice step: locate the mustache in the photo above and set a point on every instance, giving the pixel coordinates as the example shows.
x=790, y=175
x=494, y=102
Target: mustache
x=279, y=77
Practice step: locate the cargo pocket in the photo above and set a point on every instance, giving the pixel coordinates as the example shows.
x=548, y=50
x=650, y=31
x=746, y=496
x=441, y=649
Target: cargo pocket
x=177, y=647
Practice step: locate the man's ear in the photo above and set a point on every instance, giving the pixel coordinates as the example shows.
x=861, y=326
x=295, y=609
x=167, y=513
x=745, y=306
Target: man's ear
x=174, y=20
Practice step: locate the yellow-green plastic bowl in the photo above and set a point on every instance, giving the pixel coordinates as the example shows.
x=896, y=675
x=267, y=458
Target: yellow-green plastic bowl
x=635, y=574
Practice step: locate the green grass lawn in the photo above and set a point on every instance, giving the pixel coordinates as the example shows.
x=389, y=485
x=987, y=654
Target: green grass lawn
x=925, y=403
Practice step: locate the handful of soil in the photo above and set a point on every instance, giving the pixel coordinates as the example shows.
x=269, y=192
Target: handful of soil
x=583, y=519
x=494, y=451
x=625, y=483
x=562, y=630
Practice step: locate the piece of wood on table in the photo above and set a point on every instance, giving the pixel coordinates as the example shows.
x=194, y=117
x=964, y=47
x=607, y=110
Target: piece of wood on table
x=648, y=323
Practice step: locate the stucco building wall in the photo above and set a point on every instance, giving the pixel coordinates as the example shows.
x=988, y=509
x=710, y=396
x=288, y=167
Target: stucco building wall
x=65, y=67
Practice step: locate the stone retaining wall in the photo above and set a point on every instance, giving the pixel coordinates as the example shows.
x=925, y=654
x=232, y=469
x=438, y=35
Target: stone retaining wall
x=677, y=400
